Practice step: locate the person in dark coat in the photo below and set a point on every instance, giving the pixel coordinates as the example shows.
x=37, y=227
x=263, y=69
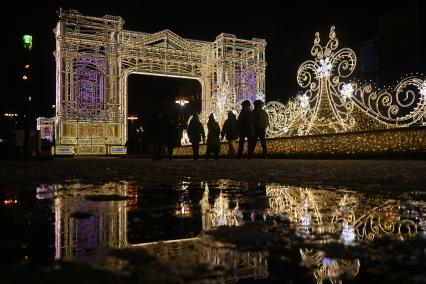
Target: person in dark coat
x=230, y=131
x=195, y=134
x=246, y=129
x=213, y=141
x=261, y=122
x=157, y=128
x=172, y=137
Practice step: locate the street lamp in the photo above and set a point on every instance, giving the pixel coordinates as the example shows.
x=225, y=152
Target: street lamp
x=182, y=102
x=11, y=117
x=132, y=118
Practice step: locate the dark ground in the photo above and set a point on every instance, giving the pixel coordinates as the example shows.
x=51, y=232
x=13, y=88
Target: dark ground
x=395, y=175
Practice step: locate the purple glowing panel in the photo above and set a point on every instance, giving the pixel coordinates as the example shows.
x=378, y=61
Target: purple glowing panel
x=88, y=76
x=46, y=133
x=246, y=85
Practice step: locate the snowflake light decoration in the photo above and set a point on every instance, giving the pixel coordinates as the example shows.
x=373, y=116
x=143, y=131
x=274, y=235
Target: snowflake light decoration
x=324, y=68
x=347, y=91
x=304, y=101
x=422, y=90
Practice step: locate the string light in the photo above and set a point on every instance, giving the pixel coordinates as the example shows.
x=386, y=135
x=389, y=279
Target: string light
x=330, y=105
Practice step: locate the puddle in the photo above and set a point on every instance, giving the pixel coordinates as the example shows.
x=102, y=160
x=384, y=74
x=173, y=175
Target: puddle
x=222, y=231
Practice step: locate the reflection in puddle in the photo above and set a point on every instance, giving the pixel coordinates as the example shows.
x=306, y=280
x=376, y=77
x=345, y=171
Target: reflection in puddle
x=329, y=269
x=324, y=216
x=236, y=265
x=82, y=226
x=220, y=214
x=352, y=216
x=91, y=219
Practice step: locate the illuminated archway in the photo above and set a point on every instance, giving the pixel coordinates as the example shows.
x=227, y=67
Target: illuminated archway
x=95, y=56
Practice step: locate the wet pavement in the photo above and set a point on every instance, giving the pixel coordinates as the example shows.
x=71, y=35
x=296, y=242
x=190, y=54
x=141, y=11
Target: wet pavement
x=216, y=231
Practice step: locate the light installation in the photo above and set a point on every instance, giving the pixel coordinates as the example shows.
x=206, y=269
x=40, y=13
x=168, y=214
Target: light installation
x=330, y=102
x=95, y=56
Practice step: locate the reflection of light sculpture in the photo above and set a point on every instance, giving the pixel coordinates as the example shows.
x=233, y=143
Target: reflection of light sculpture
x=319, y=216
x=332, y=269
x=297, y=204
x=334, y=106
x=309, y=208
x=183, y=206
x=348, y=234
x=220, y=214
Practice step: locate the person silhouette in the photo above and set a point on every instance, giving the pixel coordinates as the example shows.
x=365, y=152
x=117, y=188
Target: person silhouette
x=246, y=129
x=195, y=134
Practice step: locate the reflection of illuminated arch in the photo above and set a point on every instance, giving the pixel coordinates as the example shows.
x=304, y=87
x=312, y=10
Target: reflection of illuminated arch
x=241, y=264
x=101, y=223
x=104, y=224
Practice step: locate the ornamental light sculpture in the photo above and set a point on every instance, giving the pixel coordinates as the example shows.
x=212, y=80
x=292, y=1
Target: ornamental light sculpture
x=330, y=104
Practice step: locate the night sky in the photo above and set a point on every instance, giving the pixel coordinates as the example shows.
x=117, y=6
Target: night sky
x=395, y=29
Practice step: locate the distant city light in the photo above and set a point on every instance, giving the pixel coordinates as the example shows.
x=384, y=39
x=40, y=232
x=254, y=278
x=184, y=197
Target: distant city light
x=25, y=77
x=8, y=114
x=28, y=41
x=10, y=201
x=27, y=66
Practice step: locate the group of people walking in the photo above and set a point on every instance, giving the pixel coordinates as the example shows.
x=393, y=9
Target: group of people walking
x=250, y=125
